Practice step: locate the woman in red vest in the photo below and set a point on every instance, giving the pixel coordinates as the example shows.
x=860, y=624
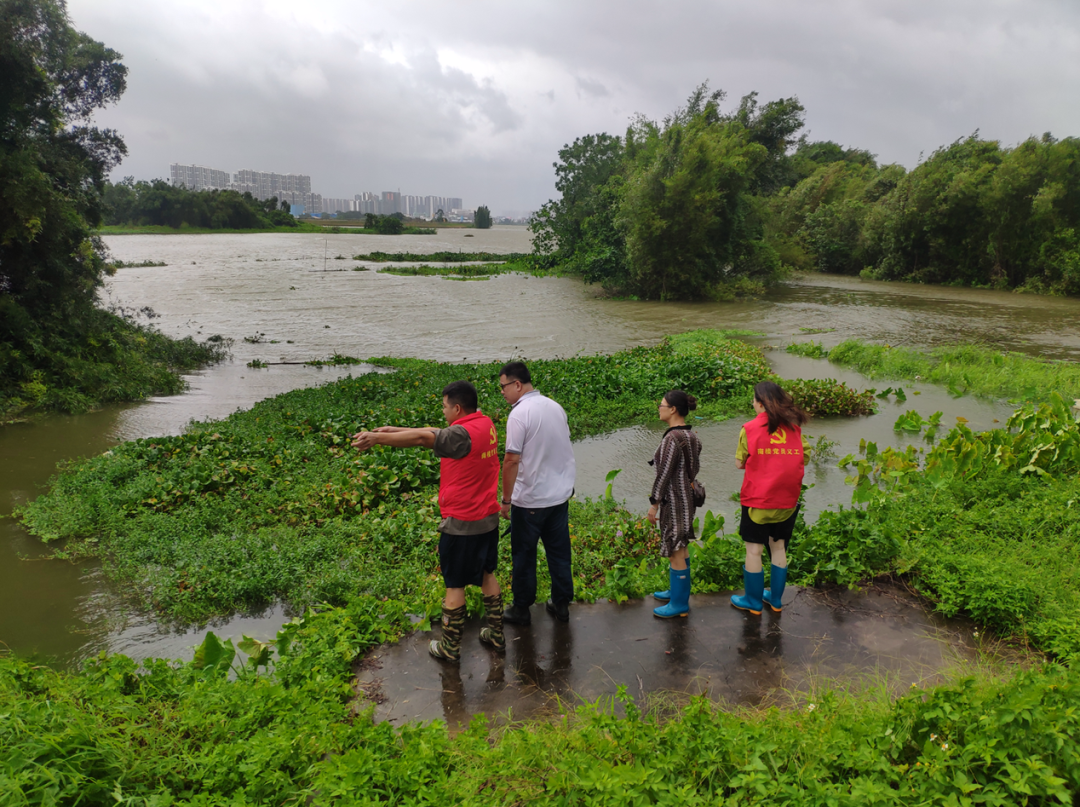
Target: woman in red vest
x=773, y=452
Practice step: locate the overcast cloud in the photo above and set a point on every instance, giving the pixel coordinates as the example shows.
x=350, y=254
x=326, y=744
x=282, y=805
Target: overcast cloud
x=474, y=99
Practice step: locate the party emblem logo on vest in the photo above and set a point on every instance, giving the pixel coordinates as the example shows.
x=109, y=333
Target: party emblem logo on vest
x=779, y=437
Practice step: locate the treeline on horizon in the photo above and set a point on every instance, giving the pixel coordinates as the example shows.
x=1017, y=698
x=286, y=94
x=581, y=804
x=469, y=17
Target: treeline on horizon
x=707, y=204
x=159, y=203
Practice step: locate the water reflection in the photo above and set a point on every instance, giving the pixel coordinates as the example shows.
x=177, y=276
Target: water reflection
x=850, y=640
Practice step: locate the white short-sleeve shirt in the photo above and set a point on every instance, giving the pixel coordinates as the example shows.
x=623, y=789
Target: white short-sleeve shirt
x=538, y=430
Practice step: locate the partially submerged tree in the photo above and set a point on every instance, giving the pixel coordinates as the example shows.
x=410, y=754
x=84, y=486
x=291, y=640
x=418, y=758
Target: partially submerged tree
x=482, y=218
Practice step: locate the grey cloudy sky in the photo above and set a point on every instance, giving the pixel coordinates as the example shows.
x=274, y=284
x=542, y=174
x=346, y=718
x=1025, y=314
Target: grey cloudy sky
x=474, y=99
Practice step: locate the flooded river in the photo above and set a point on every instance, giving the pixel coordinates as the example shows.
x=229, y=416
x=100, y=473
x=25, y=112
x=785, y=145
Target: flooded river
x=295, y=299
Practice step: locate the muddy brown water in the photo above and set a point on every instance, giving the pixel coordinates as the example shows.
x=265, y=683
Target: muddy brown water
x=301, y=302
x=881, y=637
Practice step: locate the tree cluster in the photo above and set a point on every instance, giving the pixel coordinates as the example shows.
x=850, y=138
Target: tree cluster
x=707, y=203
x=482, y=218
x=58, y=349
x=668, y=211
x=393, y=224
x=162, y=204
x=973, y=214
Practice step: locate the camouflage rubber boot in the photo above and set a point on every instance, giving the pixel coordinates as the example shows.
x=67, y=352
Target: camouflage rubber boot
x=453, y=625
x=492, y=634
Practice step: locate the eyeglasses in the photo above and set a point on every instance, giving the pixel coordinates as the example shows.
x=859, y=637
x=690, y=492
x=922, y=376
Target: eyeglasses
x=664, y=406
x=507, y=384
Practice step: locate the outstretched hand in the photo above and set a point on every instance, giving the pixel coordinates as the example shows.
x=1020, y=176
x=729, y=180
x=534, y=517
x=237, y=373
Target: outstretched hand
x=362, y=441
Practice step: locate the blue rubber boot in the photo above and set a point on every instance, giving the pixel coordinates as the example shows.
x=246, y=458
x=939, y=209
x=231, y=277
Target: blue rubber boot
x=775, y=592
x=664, y=596
x=679, y=604
x=755, y=587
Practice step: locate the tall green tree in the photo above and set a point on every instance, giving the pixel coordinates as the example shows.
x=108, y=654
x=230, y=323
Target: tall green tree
x=482, y=218
x=685, y=210
x=59, y=350
x=53, y=165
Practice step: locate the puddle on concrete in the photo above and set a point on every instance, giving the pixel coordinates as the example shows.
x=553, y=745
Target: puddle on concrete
x=855, y=639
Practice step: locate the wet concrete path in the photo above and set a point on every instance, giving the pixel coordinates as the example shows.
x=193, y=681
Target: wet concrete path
x=850, y=639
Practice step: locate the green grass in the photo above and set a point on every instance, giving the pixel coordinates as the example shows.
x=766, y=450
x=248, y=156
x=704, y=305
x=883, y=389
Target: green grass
x=964, y=369
x=186, y=736
x=809, y=350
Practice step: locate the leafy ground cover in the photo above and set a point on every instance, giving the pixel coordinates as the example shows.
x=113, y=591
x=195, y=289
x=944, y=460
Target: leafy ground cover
x=188, y=736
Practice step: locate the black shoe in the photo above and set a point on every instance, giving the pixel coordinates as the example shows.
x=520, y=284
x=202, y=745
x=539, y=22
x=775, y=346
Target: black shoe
x=561, y=610
x=517, y=615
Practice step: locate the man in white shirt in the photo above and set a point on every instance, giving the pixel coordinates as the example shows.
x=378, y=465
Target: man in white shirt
x=538, y=481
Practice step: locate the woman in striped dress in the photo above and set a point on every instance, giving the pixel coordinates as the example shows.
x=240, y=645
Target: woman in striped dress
x=677, y=462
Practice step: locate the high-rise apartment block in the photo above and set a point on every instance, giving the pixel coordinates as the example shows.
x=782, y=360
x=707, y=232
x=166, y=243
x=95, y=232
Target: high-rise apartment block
x=199, y=177
x=294, y=188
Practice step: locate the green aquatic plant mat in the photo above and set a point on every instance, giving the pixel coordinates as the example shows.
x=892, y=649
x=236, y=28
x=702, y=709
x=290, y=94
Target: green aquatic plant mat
x=273, y=503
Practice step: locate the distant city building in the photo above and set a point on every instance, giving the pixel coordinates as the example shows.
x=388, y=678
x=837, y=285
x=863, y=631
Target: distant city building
x=199, y=177
x=338, y=205
x=296, y=190
x=293, y=188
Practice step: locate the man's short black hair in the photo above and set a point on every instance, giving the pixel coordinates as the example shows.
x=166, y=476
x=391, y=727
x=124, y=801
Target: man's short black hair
x=516, y=371
x=463, y=394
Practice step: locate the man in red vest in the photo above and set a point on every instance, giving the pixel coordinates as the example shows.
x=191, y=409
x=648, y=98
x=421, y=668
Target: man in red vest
x=469, y=505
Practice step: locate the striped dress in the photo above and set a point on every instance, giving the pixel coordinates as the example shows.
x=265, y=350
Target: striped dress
x=677, y=462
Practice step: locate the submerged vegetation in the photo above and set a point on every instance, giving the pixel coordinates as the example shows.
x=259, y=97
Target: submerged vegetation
x=439, y=257
x=272, y=503
x=964, y=369
x=709, y=201
x=457, y=270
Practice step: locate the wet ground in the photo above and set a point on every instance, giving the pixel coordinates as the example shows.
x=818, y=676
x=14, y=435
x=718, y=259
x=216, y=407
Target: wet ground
x=880, y=636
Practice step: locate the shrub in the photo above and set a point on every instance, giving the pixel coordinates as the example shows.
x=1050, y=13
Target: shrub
x=829, y=398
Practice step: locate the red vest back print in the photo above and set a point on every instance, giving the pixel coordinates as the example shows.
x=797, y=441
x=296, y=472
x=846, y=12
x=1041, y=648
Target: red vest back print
x=468, y=488
x=774, y=469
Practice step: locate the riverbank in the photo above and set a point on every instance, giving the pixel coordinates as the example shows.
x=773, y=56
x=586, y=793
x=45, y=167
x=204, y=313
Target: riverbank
x=115, y=359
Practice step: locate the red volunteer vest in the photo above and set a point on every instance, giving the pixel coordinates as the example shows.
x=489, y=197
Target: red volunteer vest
x=468, y=488
x=774, y=469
